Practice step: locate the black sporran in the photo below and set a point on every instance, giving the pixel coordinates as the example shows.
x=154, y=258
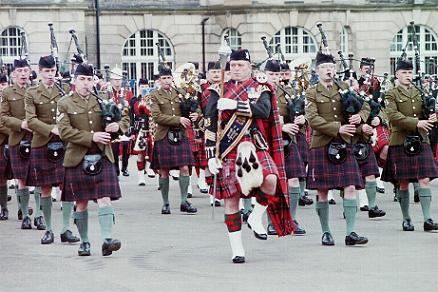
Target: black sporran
x=92, y=164
x=24, y=149
x=361, y=151
x=55, y=151
x=413, y=145
x=174, y=136
x=337, y=152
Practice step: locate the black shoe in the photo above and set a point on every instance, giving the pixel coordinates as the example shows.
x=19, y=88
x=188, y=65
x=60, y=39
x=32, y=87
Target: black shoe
x=84, y=249
x=416, y=197
x=48, y=237
x=125, y=173
x=9, y=198
x=354, y=239
x=175, y=178
x=189, y=195
x=271, y=230
x=260, y=236
x=187, y=207
x=332, y=202
x=68, y=236
x=20, y=215
x=26, y=223
x=395, y=198
x=216, y=203
x=407, y=225
x=238, y=260
x=165, y=209
x=380, y=190
x=429, y=225
x=376, y=212
x=4, y=214
x=203, y=191
x=12, y=187
x=304, y=200
x=364, y=208
x=110, y=245
x=298, y=230
x=245, y=216
x=327, y=239
x=39, y=223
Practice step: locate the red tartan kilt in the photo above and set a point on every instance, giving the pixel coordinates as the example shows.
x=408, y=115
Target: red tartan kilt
x=5, y=164
x=303, y=147
x=294, y=164
x=80, y=186
x=383, y=135
x=191, y=137
x=322, y=174
x=369, y=166
x=43, y=172
x=400, y=166
x=167, y=156
x=227, y=184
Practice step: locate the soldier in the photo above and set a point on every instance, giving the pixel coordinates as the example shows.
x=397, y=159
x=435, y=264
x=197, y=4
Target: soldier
x=410, y=157
x=88, y=160
x=5, y=166
x=47, y=152
x=331, y=161
x=13, y=116
x=251, y=152
x=171, y=148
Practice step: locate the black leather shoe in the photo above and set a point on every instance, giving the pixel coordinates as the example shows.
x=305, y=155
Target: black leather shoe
x=407, y=225
x=271, y=230
x=327, y=239
x=238, y=260
x=298, y=230
x=332, y=202
x=216, y=203
x=260, y=236
x=189, y=195
x=187, y=207
x=376, y=212
x=165, y=209
x=380, y=190
x=125, y=173
x=203, y=191
x=39, y=223
x=110, y=245
x=48, y=237
x=68, y=236
x=304, y=200
x=26, y=223
x=429, y=225
x=20, y=215
x=245, y=216
x=416, y=197
x=395, y=198
x=4, y=214
x=354, y=239
x=9, y=198
x=84, y=249
x=364, y=208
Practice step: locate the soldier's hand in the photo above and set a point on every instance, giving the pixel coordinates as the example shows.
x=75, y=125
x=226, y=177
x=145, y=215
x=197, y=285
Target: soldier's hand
x=367, y=129
x=300, y=120
x=185, y=122
x=194, y=117
x=112, y=128
x=375, y=122
x=55, y=131
x=102, y=137
x=226, y=104
x=355, y=119
x=25, y=126
x=290, y=128
x=348, y=130
x=425, y=125
x=432, y=118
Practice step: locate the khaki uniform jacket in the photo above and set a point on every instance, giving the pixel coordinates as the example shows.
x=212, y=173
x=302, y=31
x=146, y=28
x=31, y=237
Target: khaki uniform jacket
x=78, y=120
x=282, y=109
x=325, y=116
x=404, y=110
x=166, y=111
x=13, y=113
x=41, y=112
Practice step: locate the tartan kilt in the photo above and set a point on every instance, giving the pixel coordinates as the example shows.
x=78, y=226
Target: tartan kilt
x=80, y=186
x=201, y=157
x=322, y=174
x=400, y=166
x=294, y=164
x=43, y=172
x=19, y=165
x=227, y=184
x=369, y=166
x=303, y=147
x=5, y=164
x=167, y=156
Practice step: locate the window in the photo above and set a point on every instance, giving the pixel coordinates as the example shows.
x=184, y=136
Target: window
x=140, y=56
x=294, y=42
x=10, y=44
x=234, y=37
x=427, y=44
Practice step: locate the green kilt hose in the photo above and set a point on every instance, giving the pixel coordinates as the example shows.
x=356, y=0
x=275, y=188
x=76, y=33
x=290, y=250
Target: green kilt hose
x=167, y=156
x=42, y=171
x=293, y=163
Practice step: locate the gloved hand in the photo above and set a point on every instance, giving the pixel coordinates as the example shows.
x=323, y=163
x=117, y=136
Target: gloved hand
x=226, y=104
x=214, y=165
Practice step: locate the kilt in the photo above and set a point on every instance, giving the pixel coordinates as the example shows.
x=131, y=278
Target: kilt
x=5, y=164
x=227, y=184
x=369, y=166
x=294, y=164
x=42, y=171
x=400, y=166
x=80, y=186
x=322, y=174
x=147, y=152
x=303, y=147
x=167, y=156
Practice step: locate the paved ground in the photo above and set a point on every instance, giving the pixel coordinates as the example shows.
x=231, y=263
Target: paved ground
x=191, y=252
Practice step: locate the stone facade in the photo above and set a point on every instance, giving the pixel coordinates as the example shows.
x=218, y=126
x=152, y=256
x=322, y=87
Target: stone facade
x=371, y=24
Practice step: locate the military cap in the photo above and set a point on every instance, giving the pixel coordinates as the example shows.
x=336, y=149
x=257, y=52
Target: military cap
x=143, y=81
x=84, y=69
x=20, y=63
x=404, y=65
x=165, y=71
x=213, y=66
x=284, y=67
x=47, y=62
x=240, y=55
x=3, y=78
x=272, y=65
x=322, y=58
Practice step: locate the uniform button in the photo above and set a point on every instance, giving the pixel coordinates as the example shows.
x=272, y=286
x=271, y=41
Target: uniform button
x=171, y=102
x=90, y=112
x=413, y=100
x=334, y=108
x=91, y=122
x=413, y=107
x=75, y=113
x=415, y=115
x=333, y=100
x=53, y=109
x=173, y=109
x=92, y=131
x=52, y=102
x=173, y=115
x=401, y=100
x=41, y=102
x=335, y=116
x=54, y=118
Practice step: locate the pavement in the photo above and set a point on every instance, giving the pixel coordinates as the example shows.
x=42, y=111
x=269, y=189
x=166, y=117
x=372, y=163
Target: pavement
x=181, y=252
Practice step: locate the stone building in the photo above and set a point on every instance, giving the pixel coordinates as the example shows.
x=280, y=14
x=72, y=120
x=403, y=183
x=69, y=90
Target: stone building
x=129, y=30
